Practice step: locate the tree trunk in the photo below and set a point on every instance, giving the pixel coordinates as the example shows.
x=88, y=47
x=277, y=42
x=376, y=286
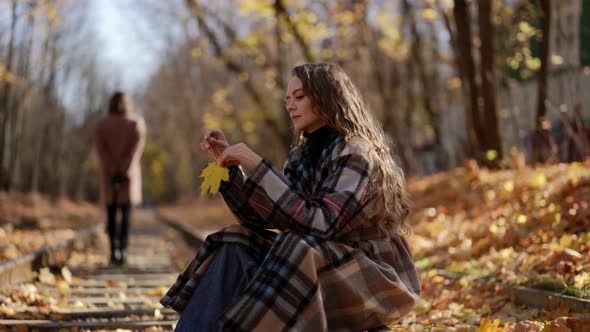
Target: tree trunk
x=387, y=86
x=467, y=68
x=428, y=88
x=5, y=112
x=15, y=170
x=44, y=120
x=61, y=169
x=486, y=35
x=422, y=72
x=543, y=145
x=442, y=160
x=544, y=57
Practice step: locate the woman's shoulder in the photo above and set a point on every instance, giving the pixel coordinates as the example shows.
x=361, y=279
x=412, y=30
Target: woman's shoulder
x=341, y=147
x=352, y=146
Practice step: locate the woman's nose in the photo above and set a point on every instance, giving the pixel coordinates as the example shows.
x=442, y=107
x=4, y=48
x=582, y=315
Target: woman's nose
x=290, y=106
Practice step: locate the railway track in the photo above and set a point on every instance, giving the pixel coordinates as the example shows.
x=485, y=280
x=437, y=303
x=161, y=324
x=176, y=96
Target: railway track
x=102, y=297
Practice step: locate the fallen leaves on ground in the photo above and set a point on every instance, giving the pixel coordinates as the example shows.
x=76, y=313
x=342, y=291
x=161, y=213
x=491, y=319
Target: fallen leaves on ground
x=31, y=221
x=14, y=242
x=50, y=294
x=476, y=232
x=485, y=228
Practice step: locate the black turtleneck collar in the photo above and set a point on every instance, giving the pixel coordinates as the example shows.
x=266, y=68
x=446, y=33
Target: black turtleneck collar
x=319, y=134
x=316, y=141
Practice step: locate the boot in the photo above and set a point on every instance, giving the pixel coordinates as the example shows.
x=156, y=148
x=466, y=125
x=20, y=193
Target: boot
x=122, y=257
x=115, y=256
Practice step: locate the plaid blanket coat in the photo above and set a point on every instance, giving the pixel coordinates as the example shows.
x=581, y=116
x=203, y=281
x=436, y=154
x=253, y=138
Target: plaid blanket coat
x=329, y=268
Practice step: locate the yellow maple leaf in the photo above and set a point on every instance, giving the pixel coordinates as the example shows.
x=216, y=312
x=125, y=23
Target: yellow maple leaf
x=212, y=176
x=537, y=180
x=488, y=325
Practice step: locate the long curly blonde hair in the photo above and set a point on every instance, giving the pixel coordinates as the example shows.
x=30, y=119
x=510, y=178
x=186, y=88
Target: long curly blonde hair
x=336, y=99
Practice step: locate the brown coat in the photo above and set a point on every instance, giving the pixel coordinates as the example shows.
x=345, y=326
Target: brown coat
x=119, y=140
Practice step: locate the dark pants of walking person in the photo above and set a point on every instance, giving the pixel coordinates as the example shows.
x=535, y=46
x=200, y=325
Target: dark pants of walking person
x=227, y=275
x=119, y=232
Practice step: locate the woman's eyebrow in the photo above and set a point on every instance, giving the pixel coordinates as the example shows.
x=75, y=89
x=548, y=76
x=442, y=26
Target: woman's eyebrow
x=294, y=91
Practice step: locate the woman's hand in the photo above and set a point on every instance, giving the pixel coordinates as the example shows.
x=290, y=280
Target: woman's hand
x=214, y=142
x=239, y=154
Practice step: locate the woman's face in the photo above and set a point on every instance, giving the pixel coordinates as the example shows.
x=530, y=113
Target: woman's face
x=300, y=108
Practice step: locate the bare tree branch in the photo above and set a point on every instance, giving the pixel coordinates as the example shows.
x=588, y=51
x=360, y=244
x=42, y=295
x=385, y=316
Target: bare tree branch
x=234, y=67
x=282, y=11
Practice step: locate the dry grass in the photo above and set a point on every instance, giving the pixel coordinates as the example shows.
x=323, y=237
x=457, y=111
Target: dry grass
x=206, y=215
x=61, y=212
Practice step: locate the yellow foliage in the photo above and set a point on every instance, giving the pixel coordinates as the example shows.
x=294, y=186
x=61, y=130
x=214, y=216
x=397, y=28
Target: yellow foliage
x=212, y=176
x=429, y=14
x=252, y=40
x=488, y=325
x=566, y=241
x=582, y=280
x=154, y=158
x=248, y=126
x=311, y=29
x=212, y=120
x=491, y=154
x=509, y=186
x=64, y=288
x=537, y=180
x=389, y=30
x=327, y=53
x=454, y=83
x=345, y=17
x=533, y=63
x=557, y=59
x=526, y=28
x=5, y=75
x=262, y=8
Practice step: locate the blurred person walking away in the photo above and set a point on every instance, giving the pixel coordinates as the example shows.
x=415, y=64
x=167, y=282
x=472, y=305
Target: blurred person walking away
x=119, y=138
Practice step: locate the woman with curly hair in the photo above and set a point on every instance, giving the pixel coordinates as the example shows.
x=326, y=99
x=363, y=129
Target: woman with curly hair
x=338, y=260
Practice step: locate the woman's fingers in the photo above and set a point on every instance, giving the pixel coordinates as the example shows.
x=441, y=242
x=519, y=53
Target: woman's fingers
x=224, y=156
x=212, y=131
x=228, y=157
x=239, y=154
x=215, y=133
x=216, y=147
x=205, y=146
x=217, y=143
x=228, y=162
x=210, y=139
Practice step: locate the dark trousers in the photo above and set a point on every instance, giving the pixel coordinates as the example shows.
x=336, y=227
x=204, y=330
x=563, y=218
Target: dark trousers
x=227, y=276
x=118, y=232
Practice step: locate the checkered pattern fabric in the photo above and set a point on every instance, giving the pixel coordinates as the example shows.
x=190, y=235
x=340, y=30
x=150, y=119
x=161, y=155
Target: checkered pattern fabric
x=328, y=268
